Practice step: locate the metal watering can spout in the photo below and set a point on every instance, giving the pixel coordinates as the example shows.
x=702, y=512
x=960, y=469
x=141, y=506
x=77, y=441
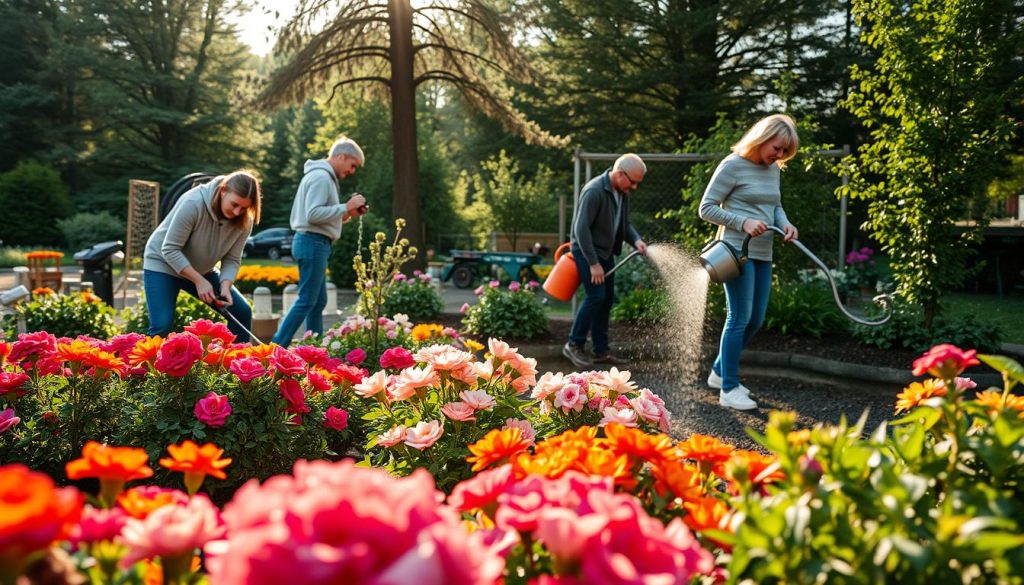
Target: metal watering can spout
x=723, y=264
x=621, y=262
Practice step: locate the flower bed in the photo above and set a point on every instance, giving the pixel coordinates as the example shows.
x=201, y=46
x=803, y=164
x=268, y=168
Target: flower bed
x=556, y=479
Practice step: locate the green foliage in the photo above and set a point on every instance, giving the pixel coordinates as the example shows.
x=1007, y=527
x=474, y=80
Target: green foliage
x=33, y=198
x=935, y=106
x=64, y=316
x=906, y=330
x=803, y=307
x=806, y=197
x=85, y=229
x=505, y=200
x=642, y=305
x=189, y=309
x=936, y=499
x=346, y=247
x=513, y=314
x=415, y=297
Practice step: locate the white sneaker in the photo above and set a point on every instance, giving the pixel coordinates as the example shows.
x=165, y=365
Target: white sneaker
x=736, y=398
x=715, y=382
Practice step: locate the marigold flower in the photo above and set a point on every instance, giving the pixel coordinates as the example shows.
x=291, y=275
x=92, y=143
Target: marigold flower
x=35, y=515
x=993, y=402
x=760, y=470
x=607, y=463
x=708, y=513
x=113, y=466
x=145, y=351
x=705, y=449
x=196, y=463
x=681, y=479
x=945, y=361
x=918, y=392
x=496, y=446
x=639, y=444
x=425, y=331
x=139, y=501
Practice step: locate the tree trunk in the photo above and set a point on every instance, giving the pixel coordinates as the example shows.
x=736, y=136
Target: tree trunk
x=403, y=128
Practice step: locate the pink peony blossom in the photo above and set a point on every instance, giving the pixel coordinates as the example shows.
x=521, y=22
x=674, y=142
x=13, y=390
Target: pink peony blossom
x=478, y=399
x=172, y=530
x=247, y=369
x=336, y=418
x=98, y=524
x=548, y=384
x=459, y=411
x=213, y=410
x=397, y=358
x=479, y=290
x=178, y=353
x=523, y=504
x=8, y=420
x=424, y=434
x=356, y=356
x=393, y=436
x=286, y=363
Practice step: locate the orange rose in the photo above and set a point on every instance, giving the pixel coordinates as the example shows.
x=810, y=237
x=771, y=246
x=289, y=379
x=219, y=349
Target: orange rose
x=113, y=466
x=196, y=463
x=35, y=515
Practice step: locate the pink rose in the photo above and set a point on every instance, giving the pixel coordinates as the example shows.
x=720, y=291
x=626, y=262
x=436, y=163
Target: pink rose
x=172, y=530
x=945, y=361
x=208, y=331
x=98, y=524
x=336, y=418
x=569, y=397
x=478, y=399
x=459, y=411
x=8, y=420
x=292, y=392
x=286, y=363
x=356, y=356
x=514, y=287
x=178, y=354
x=392, y=437
x=317, y=381
x=213, y=410
x=122, y=344
x=247, y=369
x=494, y=284
x=373, y=385
x=311, y=354
x=397, y=358
x=482, y=489
x=32, y=345
x=424, y=434
x=464, y=308
x=13, y=383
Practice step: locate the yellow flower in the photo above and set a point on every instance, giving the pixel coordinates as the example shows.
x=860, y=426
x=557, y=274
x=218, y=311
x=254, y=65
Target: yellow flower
x=425, y=331
x=993, y=402
x=918, y=392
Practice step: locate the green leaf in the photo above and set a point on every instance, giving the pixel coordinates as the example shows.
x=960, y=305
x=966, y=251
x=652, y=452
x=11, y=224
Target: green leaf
x=997, y=541
x=1005, y=365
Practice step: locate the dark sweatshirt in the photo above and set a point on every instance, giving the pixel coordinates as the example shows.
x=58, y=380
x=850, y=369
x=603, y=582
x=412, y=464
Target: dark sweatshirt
x=594, y=229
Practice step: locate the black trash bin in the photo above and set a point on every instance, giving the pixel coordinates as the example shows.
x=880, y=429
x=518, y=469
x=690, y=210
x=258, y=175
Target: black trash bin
x=97, y=268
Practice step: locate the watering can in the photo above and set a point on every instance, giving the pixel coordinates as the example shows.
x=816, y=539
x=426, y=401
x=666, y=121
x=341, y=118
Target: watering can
x=723, y=263
x=565, y=277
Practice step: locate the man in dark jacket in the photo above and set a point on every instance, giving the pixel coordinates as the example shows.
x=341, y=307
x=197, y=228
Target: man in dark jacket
x=598, y=230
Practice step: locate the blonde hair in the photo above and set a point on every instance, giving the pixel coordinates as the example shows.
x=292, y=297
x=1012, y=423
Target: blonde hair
x=243, y=183
x=766, y=129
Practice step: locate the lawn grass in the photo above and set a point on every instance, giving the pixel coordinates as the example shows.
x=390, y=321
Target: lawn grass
x=1007, y=312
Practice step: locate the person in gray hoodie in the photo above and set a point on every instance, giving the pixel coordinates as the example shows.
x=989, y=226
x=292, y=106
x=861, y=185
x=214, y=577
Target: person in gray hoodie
x=208, y=225
x=317, y=217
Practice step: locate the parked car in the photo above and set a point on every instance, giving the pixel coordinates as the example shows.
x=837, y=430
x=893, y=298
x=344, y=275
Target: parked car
x=272, y=243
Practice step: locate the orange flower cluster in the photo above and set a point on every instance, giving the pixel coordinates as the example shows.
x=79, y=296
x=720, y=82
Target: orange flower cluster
x=913, y=395
x=277, y=276
x=425, y=331
x=995, y=402
x=41, y=291
x=80, y=355
x=44, y=255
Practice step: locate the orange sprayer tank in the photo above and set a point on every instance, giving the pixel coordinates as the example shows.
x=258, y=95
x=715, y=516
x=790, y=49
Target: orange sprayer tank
x=564, y=278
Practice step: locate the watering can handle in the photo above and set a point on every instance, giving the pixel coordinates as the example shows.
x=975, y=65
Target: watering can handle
x=559, y=253
x=884, y=300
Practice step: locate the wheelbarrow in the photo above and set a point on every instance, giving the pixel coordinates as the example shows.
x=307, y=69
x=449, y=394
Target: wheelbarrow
x=467, y=265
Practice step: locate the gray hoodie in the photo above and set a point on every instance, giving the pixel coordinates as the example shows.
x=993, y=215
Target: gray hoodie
x=317, y=208
x=193, y=235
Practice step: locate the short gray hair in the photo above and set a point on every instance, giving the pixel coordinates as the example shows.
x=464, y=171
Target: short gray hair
x=347, y=147
x=630, y=162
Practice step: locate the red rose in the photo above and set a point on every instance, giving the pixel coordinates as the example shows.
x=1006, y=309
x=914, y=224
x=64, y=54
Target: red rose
x=397, y=358
x=13, y=383
x=336, y=418
x=318, y=382
x=356, y=356
x=213, y=410
x=945, y=361
x=311, y=354
x=29, y=345
x=292, y=392
x=208, y=331
x=286, y=363
x=178, y=354
x=247, y=369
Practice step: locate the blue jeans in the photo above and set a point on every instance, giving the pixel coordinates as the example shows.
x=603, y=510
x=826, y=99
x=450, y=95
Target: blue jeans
x=593, y=315
x=747, y=299
x=162, y=299
x=311, y=252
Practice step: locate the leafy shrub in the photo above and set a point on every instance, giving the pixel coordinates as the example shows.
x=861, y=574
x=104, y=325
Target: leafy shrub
x=642, y=305
x=803, y=308
x=136, y=317
x=415, y=297
x=82, y=230
x=346, y=247
x=516, y=314
x=33, y=198
x=64, y=316
x=252, y=276
x=906, y=330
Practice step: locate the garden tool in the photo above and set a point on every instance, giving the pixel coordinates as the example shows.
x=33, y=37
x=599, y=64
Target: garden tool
x=724, y=263
x=564, y=278
x=219, y=306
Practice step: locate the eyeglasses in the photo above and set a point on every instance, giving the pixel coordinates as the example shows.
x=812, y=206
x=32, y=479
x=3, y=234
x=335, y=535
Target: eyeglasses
x=632, y=182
